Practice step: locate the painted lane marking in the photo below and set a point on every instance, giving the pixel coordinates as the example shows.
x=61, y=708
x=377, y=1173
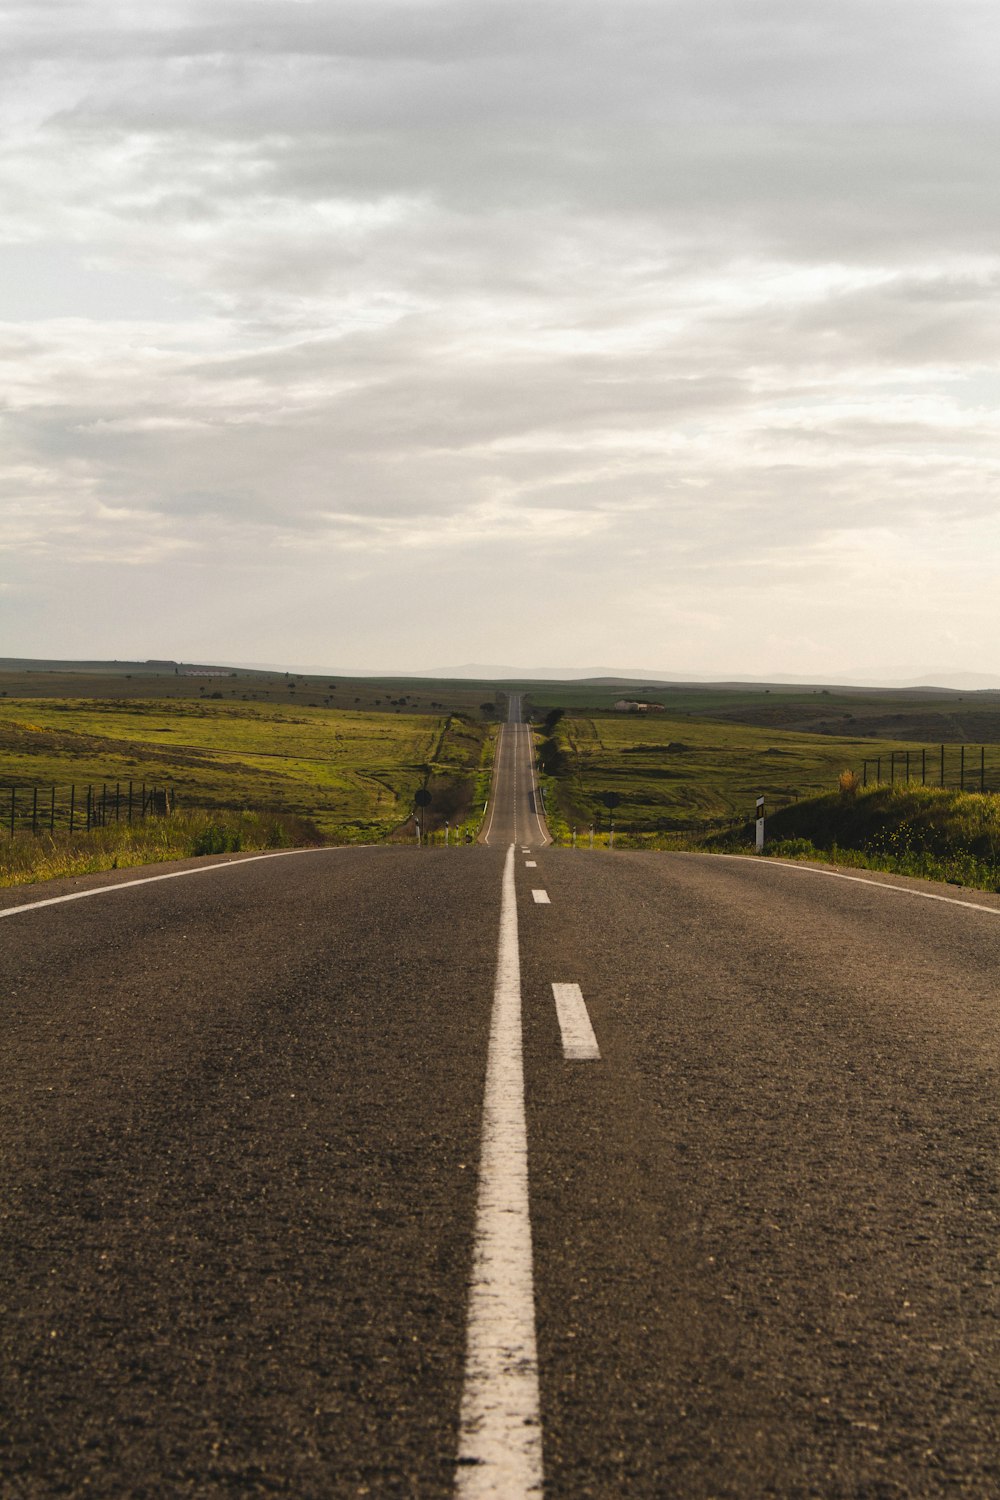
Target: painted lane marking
x=500, y=1438
x=578, y=1039
x=541, y=897
x=880, y=885
x=125, y=885
x=531, y=864
x=535, y=794
x=494, y=789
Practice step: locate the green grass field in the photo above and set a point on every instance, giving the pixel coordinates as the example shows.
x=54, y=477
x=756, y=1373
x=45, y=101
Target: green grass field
x=688, y=774
x=403, y=696
x=927, y=716
x=352, y=773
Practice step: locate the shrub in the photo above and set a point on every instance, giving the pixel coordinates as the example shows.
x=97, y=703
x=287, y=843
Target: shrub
x=794, y=849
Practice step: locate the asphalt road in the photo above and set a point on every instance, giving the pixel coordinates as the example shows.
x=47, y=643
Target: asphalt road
x=243, y=1135
x=515, y=814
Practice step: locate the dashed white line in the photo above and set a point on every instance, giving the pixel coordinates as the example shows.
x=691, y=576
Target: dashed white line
x=531, y=864
x=541, y=898
x=578, y=1039
x=500, y=1440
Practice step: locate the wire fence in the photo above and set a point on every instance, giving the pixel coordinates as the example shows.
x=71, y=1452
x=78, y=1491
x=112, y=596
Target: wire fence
x=961, y=766
x=79, y=808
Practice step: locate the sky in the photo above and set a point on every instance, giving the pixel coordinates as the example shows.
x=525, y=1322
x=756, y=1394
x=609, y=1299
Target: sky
x=397, y=334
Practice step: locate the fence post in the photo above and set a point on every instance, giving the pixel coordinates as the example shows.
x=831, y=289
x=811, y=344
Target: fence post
x=942, y=765
x=143, y=799
x=982, y=768
x=52, y=812
x=961, y=770
x=13, y=798
x=104, y=804
x=118, y=788
x=878, y=768
x=72, y=806
x=864, y=773
x=923, y=766
x=90, y=805
x=130, y=801
x=34, y=809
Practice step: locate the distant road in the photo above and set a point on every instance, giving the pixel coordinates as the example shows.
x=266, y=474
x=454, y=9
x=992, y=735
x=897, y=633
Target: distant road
x=279, y=1217
x=515, y=810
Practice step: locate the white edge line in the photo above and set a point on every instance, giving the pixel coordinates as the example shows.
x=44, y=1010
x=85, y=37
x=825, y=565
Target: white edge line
x=494, y=779
x=879, y=885
x=578, y=1039
x=124, y=885
x=500, y=1437
x=534, y=789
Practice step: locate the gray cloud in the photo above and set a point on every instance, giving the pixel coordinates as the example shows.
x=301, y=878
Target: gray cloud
x=688, y=309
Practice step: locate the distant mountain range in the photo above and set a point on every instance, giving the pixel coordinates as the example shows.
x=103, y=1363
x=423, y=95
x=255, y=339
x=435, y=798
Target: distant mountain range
x=954, y=681
x=903, y=681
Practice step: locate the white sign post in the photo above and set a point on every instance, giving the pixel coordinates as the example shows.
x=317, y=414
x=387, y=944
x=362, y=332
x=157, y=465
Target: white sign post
x=760, y=824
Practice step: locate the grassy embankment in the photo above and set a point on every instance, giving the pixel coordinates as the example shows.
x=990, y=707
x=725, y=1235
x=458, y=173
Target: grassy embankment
x=335, y=775
x=45, y=856
x=932, y=832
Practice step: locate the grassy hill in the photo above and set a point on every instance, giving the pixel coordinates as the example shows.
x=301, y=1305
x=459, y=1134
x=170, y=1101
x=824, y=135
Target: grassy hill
x=689, y=775
x=896, y=715
x=353, y=774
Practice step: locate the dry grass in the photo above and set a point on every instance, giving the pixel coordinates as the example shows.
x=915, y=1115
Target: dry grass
x=28, y=858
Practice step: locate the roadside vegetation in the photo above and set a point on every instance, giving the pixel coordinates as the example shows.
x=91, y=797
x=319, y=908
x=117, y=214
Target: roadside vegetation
x=342, y=775
x=30, y=857
x=698, y=792
x=681, y=776
x=932, y=832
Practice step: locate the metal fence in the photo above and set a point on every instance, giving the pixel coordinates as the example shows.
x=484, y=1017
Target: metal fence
x=79, y=808
x=961, y=766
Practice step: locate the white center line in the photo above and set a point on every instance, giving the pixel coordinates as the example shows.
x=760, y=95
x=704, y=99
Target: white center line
x=500, y=1440
x=578, y=1039
x=531, y=864
x=541, y=897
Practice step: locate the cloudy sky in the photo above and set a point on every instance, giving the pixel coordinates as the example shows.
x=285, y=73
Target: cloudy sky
x=407, y=333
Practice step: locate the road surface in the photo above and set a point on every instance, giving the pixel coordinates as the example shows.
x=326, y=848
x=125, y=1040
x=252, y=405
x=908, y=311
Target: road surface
x=515, y=814
x=279, y=1217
